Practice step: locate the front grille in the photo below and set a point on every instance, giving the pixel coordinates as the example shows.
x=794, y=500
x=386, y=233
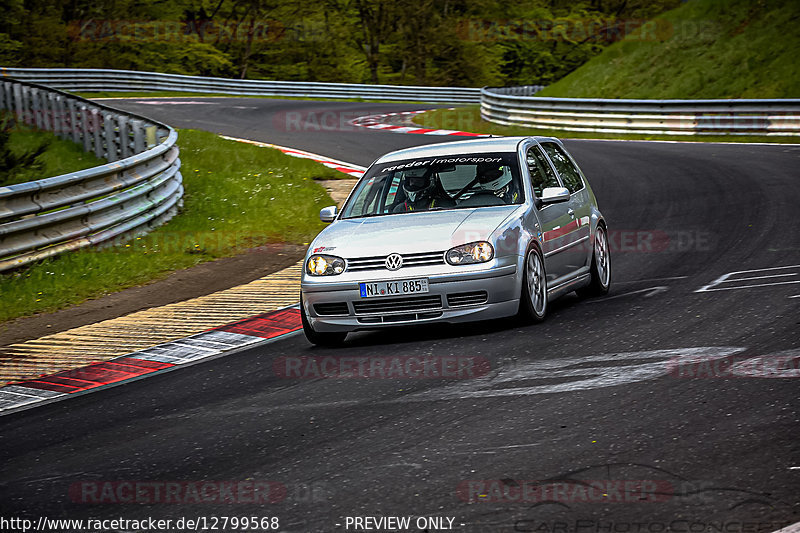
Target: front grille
x=331, y=309
x=409, y=260
x=467, y=298
x=397, y=305
x=403, y=317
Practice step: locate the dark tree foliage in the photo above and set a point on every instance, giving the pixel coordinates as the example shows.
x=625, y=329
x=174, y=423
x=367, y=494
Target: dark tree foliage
x=431, y=42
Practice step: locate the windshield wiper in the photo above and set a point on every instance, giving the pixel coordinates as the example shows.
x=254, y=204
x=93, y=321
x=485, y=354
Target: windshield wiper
x=370, y=215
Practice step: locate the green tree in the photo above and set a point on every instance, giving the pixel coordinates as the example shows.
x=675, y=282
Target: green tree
x=10, y=46
x=436, y=42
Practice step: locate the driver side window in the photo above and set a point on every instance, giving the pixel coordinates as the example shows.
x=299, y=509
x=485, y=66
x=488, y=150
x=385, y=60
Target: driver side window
x=542, y=175
x=569, y=174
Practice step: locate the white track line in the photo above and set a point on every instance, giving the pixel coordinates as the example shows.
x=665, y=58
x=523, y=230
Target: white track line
x=794, y=528
x=336, y=164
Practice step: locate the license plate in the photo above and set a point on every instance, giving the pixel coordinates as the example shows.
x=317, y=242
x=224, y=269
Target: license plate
x=373, y=289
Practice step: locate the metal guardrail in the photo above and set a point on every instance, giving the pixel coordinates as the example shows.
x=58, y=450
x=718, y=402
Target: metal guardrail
x=140, y=188
x=518, y=106
x=89, y=80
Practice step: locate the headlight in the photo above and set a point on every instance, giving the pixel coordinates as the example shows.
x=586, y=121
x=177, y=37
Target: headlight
x=466, y=254
x=324, y=265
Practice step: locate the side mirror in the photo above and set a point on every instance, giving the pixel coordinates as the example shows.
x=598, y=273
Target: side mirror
x=554, y=195
x=328, y=214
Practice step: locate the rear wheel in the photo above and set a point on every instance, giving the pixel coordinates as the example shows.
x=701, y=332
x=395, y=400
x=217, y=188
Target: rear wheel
x=329, y=339
x=533, y=300
x=601, y=266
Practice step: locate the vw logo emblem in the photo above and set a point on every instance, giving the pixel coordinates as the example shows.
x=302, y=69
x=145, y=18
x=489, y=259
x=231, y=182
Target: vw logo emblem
x=394, y=261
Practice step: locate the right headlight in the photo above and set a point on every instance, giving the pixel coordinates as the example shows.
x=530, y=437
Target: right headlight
x=467, y=254
x=324, y=265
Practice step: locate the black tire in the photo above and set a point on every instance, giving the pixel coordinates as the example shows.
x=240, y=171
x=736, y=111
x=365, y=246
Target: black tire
x=600, y=282
x=327, y=339
x=533, y=297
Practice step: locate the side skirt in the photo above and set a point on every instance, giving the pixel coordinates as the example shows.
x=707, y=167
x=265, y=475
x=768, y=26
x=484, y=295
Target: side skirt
x=568, y=286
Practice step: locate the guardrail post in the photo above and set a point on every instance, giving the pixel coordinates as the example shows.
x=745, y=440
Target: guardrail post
x=97, y=135
x=40, y=98
x=22, y=98
x=74, y=130
x=10, y=95
x=86, y=128
x=138, y=136
x=109, y=137
x=4, y=101
x=36, y=107
x=64, y=117
x=151, y=136
x=119, y=136
x=48, y=112
x=58, y=115
x=124, y=137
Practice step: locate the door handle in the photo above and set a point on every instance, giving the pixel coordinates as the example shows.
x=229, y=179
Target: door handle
x=571, y=213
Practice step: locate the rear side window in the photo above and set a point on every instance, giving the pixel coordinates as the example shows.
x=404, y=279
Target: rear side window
x=570, y=175
x=541, y=173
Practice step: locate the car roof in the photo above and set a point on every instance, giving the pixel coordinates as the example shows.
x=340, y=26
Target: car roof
x=472, y=146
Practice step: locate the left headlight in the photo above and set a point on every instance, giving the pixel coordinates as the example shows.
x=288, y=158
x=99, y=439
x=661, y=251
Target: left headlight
x=474, y=252
x=324, y=265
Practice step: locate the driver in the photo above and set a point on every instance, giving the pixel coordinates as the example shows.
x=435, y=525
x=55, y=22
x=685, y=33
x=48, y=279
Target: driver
x=421, y=192
x=503, y=188
x=497, y=180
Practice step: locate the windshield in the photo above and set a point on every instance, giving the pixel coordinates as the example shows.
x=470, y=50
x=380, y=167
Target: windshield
x=435, y=183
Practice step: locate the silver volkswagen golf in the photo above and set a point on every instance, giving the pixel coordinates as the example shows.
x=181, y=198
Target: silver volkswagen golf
x=455, y=232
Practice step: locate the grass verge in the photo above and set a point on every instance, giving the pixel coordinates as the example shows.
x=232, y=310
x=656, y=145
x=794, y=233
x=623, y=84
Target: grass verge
x=61, y=157
x=702, y=49
x=238, y=196
x=468, y=118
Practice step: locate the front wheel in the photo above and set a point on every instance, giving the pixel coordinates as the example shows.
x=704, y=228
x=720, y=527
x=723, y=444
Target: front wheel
x=328, y=339
x=600, y=281
x=533, y=300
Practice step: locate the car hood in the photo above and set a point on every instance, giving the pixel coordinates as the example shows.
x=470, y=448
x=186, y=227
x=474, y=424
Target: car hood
x=410, y=232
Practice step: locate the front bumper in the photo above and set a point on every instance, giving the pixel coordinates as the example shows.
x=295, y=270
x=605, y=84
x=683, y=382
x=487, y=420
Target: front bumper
x=461, y=297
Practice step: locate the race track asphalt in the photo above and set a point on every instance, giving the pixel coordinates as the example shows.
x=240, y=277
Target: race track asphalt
x=592, y=398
